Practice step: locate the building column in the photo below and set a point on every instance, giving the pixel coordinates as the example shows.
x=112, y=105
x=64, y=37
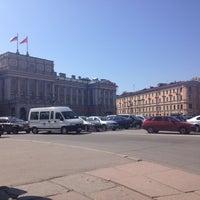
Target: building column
x=109, y=97
x=71, y=93
x=37, y=89
x=7, y=89
x=82, y=97
x=45, y=91
x=58, y=99
x=18, y=88
x=64, y=93
x=28, y=88
x=95, y=96
x=104, y=97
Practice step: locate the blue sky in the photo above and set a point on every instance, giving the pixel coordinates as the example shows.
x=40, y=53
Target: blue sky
x=134, y=43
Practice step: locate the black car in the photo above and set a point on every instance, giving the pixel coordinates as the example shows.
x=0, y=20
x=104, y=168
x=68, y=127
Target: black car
x=134, y=121
x=1, y=130
x=13, y=125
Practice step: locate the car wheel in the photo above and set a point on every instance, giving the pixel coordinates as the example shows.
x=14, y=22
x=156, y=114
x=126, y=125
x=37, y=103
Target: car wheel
x=15, y=130
x=98, y=129
x=197, y=128
x=104, y=128
x=34, y=130
x=150, y=130
x=183, y=130
x=78, y=131
x=64, y=130
x=87, y=128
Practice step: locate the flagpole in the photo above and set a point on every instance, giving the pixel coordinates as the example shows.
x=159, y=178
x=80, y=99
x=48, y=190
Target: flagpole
x=27, y=47
x=17, y=44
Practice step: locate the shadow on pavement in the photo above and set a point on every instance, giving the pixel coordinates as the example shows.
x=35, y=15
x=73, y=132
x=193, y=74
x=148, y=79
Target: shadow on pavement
x=7, y=193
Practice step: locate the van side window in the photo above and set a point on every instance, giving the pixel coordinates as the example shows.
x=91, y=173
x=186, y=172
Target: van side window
x=34, y=116
x=44, y=115
x=59, y=116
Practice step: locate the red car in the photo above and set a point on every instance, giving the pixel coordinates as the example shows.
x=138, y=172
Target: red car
x=166, y=123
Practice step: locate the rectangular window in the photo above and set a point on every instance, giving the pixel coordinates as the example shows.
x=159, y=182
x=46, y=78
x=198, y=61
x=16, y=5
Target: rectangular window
x=34, y=116
x=44, y=115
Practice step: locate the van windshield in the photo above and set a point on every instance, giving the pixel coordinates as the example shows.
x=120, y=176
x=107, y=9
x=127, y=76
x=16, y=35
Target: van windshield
x=69, y=115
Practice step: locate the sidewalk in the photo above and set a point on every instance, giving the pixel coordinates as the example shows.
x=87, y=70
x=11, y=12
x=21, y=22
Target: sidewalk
x=136, y=180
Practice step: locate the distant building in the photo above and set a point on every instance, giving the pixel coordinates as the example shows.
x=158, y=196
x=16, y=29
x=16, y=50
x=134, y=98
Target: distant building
x=27, y=82
x=177, y=97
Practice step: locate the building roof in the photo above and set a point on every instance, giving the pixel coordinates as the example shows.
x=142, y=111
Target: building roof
x=160, y=86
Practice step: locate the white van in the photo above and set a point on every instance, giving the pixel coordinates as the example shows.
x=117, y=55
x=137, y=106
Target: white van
x=54, y=119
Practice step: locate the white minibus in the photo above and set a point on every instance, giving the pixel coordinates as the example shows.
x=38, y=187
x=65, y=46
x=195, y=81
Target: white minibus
x=54, y=119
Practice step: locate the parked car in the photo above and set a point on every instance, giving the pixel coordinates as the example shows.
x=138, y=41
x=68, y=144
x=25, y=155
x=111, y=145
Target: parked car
x=166, y=123
x=13, y=125
x=90, y=124
x=196, y=122
x=179, y=116
x=105, y=123
x=1, y=130
x=123, y=122
x=135, y=121
x=140, y=117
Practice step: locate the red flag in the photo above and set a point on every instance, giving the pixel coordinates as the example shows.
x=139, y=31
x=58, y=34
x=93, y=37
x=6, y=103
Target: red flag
x=14, y=39
x=24, y=40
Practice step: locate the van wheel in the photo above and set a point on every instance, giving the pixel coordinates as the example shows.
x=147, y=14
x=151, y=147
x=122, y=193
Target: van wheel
x=34, y=130
x=64, y=130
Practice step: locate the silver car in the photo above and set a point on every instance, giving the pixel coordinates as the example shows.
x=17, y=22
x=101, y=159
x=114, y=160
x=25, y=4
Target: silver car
x=195, y=121
x=105, y=123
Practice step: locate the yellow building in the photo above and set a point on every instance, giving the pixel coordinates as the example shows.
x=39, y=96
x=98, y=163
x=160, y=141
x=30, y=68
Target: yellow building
x=174, y=98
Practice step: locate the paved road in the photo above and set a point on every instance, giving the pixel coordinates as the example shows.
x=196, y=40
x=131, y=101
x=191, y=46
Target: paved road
x=171, y=149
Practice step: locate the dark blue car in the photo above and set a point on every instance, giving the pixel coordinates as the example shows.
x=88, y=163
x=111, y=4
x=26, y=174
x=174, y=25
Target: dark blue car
x=123, y=122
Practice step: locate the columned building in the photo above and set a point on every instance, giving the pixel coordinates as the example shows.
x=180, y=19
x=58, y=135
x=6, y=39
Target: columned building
x=174, y=98
x=27, y=82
